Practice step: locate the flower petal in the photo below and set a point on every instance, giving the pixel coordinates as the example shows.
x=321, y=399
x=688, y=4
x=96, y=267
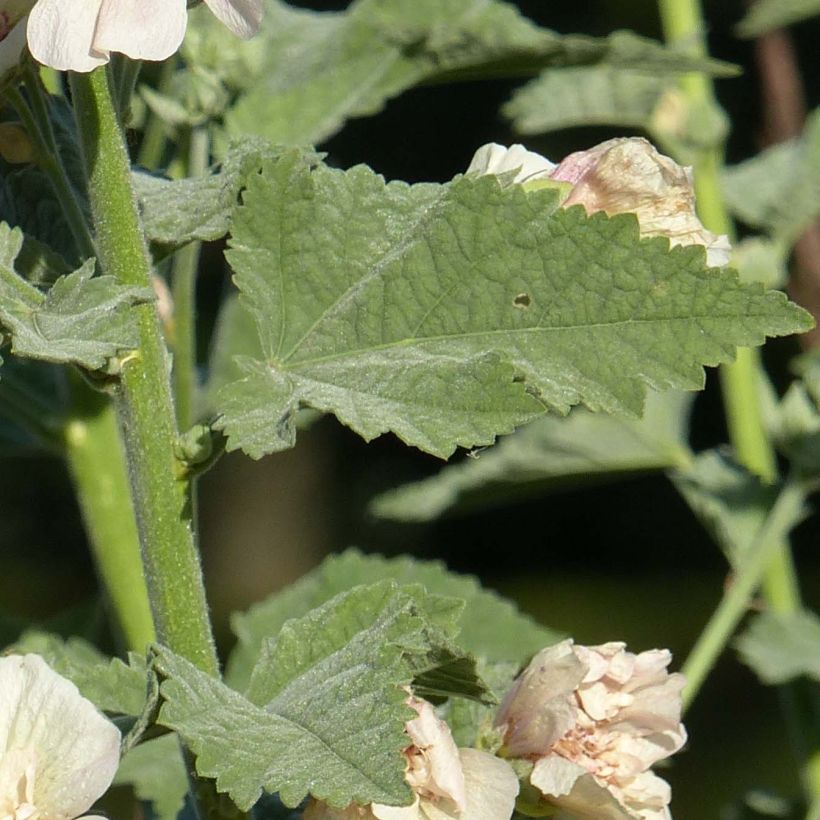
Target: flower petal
x=11, y=47
x=242, y=17
x=143, y=30
x=76, y=749
x=61, y=32
x=569, y=786
x=496, y=159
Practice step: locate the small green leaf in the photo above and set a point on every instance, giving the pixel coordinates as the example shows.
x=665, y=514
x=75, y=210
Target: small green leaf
x=586, y=95
x=782, y=646
x=779, y=189
x=157, y=774
x=551, y=452
x=81, y=319
x=109, y=683
x=400, y=308
x=765, y=15
x=489, y=625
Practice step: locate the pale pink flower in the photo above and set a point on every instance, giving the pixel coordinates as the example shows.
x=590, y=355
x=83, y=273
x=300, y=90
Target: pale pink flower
x=447, y=782
x=58, y=754
x=594, y=720
x=79, y=35
x=625, y=175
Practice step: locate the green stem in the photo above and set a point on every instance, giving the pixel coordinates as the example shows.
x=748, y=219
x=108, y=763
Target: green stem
x=93, y=450
x=736, y=601
x=186, y=263
x=153, y=138
x=143, y=400
x=683, y=25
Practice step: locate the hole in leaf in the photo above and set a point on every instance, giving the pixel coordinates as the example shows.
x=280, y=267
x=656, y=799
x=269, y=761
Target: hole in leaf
x=522, y=301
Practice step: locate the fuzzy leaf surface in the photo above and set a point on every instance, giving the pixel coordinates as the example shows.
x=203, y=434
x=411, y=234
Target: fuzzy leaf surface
x=175, y=212
x=585, y=95
x=780, y=647
x=450, y=314
x=324, y=712
x=82, y=318
x=765, y=15
x=306, y=73
x=779, y=189
x=489, y=626
x=549, y=453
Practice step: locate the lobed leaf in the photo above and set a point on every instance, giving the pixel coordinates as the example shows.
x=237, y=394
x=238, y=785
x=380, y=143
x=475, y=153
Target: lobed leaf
x=782, y=646
x=488, y=626
x=81, y=319
x=324, y=713
x=549, y=453
x=449, y=314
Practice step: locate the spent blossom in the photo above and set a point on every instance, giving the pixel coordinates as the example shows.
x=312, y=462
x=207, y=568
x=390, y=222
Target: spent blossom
x=447, y=782
x=58, y=754
x=624, y=175
x=79, y=35
x=13, y=15
x=594, y=720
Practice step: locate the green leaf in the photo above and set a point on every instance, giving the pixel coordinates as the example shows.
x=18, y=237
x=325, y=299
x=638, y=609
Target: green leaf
x=782, y=646
x=550, y=453
x=324, y=713
x=490, y=626
x=109, y=683
x=730, y=502
x=81, y=319
x=779, y=189
x=176, y=212
x=306, y=73
x=157, y=774
x=449, y=314
x=586, y=95
x=765, y=15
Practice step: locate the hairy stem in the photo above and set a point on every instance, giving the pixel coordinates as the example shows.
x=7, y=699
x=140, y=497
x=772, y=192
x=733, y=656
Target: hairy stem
x=160, y=489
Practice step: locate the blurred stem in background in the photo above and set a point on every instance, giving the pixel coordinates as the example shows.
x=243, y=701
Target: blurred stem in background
x=741, y=382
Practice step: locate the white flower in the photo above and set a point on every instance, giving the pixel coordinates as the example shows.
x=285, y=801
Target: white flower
x=58, y=754
x=625, y=175
x=79, y=35
x=447, y=782
x=594, y=720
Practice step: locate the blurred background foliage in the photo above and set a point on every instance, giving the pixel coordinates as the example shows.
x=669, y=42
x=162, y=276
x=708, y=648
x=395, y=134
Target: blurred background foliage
x=622, y=560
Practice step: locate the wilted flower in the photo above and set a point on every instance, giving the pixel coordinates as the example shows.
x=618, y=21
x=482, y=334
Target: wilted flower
x=594, y=720
x=58, y=754
x=625, y=175
x=79, y=35
x=447, y=782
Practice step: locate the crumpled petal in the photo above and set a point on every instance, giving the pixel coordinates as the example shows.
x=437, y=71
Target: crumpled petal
x=537, y=710
x=497, y=159
x=76, y=751
x=61, y=34
x=142, y=30
x=242, y=17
